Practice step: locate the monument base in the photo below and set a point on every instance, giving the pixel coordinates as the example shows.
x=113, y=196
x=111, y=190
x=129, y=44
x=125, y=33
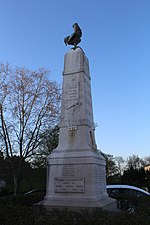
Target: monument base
x=77, y=179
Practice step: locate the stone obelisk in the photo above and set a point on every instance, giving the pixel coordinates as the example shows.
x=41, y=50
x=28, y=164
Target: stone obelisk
x=76, y=173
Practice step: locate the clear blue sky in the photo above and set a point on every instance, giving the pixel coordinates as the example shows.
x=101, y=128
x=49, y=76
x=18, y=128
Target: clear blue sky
x=116, y=40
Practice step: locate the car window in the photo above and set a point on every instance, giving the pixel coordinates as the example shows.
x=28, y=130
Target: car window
x=139, y=193
x=133, y=193
x=112, y=192
x=116, y=192
x=130, y=192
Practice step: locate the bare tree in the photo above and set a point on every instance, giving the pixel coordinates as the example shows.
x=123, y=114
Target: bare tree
x=4, y=83
x=135, y=162
x=111, y=167
x=147, y=160
x=29, y=104
x=119, y=161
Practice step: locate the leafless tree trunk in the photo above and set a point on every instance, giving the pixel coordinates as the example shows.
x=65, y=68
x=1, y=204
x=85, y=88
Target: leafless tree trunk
x=29, y=104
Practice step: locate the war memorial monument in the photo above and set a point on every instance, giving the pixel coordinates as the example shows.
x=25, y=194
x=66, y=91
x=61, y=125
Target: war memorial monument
x=76, y=169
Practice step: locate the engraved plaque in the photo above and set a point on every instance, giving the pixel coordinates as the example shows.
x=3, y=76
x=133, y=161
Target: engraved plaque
x=73, y=92
x=69, y=185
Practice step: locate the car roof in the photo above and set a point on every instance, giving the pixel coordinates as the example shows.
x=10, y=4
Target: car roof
x=128, y=187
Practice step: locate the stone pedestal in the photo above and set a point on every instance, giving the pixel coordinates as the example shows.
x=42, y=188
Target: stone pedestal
x=76, y=173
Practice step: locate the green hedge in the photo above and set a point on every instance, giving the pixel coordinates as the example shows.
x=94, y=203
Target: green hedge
x=19, y=211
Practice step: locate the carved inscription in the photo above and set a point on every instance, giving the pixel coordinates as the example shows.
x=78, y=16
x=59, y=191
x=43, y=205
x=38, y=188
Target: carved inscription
x=68, y=171
x=69, y=185
x=73, y=92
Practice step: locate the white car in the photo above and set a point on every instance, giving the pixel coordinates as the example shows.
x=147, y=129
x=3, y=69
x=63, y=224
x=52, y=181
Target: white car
x=127, y=190
x=126, y=196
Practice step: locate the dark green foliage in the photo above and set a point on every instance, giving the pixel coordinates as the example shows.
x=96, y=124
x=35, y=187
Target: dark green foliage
x=15, y=215
x=135, y=177
x=143, y=205
x=148, y=180
x=14, y=169
x=19, y=211
x=49, y=141
x=27, y=177
x=20, y=200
